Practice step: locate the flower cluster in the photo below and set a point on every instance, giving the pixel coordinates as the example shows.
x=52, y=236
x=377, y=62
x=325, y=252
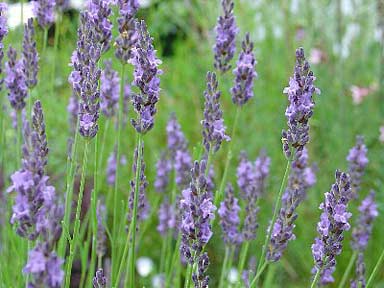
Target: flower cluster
x=99, y=281
x=300, y=179
x=109, y=90
x=167, y=217
x=300, y=108
x=163, y=170
x=198, y=211
x=333, y=222
x=111, y=167
x=30, y=55
x=226, y=31
x=44, y=11
x=3, y=32
x=146, y=78
x=101, y=243
x=357, y=161
x=213, y=122
x=244, y=73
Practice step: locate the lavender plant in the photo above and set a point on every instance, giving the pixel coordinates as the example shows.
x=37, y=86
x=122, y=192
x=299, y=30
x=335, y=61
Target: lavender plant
x=44, y=12
x=109, y=90
x=30, y=54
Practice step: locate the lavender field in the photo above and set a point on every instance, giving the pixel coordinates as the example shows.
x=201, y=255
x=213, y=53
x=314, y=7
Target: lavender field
x=192, y=143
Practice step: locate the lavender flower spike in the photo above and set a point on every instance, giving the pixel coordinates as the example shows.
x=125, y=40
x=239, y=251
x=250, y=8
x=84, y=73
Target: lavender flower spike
x=357, y=161
x=101, y=242
x=167, y=217
x=300, y=108
x=163, y=169
x=30, y=55
x=213, y=122
x=127, y=37
x=229, y=217
x=15, y=81
x=44, y=12
x=333, y=222
x=226, y=31
x=146, y=78
x=99, y=281
x=244, y=73
x=109, y=90
x=3, y=32
x=198, y=210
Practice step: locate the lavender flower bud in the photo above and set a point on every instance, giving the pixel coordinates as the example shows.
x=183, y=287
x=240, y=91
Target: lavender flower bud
x=226, y=31
x=30, y=55
x=333, y=222
x=213, y=122
x=229, y=217
x=357, y=161
x=175, y=137
x=167, y=217
x=111, y=167
x=163, y=169
x=101, y=242
x=44, y=12
x=15, y=80
x=244, y=73
x=109, y=90
x=99, y=281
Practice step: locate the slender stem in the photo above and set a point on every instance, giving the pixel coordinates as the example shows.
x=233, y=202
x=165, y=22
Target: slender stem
x=176, y=255
x=375, y=269
x=224, y=267
x=188, y=276
x=18, y=138
x=243, y=256
x=258, y=274
x=55, y=45
x=45, y=39
x=27, y=278
x=348, y=270
x=76, y=229
x=162, y=255
x=316, y=278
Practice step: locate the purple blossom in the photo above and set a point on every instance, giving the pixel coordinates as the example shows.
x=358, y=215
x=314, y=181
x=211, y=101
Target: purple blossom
x=226, y=31
x=101, y=240
x=357, y=161
x=229, y=217
x=167, y=217
x=333, y=222
x=73, y=111
x=3, y=32
x=128, y=35
x=146, y=78
x=295, y=193
x=111, y=167
x=109, y=90
x=244, y=73
x=163, y=170
x=30, y=55
x=175, y=137
x=359, y=281
x=44, y=12
x=62, y=5
x=15, y=80
x=99, y=281
x=300, y=108
x=213, y=122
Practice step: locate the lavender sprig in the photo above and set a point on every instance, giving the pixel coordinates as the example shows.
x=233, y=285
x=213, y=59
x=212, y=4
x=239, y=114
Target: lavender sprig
x=3, y=33
x=44, y=12
x=109, y=90
x=30, y=55
x=99, y=281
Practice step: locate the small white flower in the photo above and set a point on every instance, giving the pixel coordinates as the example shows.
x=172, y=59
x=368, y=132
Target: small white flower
x=233, y=276
x=144, y=266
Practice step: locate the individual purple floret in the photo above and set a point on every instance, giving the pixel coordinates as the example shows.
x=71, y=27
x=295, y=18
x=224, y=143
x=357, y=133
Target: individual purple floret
x=244, y=73
x=44, y=11
x=86, y=74
x=128, y=36
x=357, y=161
x=101, y=243
x=295, y=193
x=167, y=217
x=30, y=55
x=333, y=222
x=229, y=217
x=15, y=80
x=163, y=170
x=109, y=90
x=198, y=211
x=213, y=122
x=226, y=31
x=99, y=281
x=300, y=108
x=146, y=78
x=3, y=32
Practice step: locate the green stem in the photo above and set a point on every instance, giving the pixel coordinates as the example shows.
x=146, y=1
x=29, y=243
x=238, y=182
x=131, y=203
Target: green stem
x=175, y=256
x=224, y=267
x=375, y=269
x=316, y=278
x=162, y=255
x=348, y=270
x=243, y=256
x=55, y=45
x=76, y=229
x=27, y=278
x=45, y=39
x=188, y=276
x=258, y=274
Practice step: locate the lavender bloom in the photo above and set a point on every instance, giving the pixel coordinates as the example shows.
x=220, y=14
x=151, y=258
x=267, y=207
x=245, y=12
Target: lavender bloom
x=111, y=167
x=3, y=32
x=85, y=75
x=359, y=282
x=99, y=281
x=357, y=161
x=44, y=12
x=175, y=137
x=229, y=217
x=198, y=210
x=109, y=90
x=73, y=111
x=333, y=222
x=300, y=108
x=146, y=79
x=294, y=194
x=30, y=55
x=62, y=5
x=213, y=123
x=163, y=169
x=128, y=36
x=167, y=218
x=15, y=80
x=101, y=247
x=244, y=73
x=226, y=31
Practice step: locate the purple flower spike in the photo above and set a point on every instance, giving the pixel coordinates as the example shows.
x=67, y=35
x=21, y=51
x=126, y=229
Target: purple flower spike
x=109, y=90
x=229, y=217
x=198, y=210
x=62, y=5
x=294, y=194
x=226, y=31
x=128, y=36
x=333, y=222
x=213, y=122
x=44, y=12
x=167, y=217
x=99, y=281
x=101, y=243
x=146, y=78
x=3, y=32
x=300, y=108
x=15, y=80
x=244, y=73
x=30, y=55
x=357, y=161
x=359, y=282
x=163, y=169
